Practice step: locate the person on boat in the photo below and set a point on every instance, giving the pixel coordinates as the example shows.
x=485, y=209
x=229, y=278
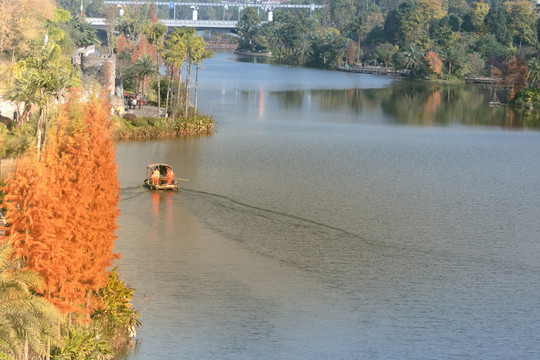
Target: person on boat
x=155, y=176
x=170, y=176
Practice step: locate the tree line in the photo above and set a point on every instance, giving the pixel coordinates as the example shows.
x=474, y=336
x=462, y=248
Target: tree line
x=434, y=39
x=142, y=51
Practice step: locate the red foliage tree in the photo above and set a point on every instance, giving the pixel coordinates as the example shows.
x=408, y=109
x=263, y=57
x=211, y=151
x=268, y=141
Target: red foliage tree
x=434, y=63
x=351, y=53
x=515, y=73
x=143, y=47
x=121, y=44
x=153, y=14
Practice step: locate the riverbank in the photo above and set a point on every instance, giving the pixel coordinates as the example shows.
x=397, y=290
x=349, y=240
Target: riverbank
x=375, y=70
x=141, y=123
x=253, y=53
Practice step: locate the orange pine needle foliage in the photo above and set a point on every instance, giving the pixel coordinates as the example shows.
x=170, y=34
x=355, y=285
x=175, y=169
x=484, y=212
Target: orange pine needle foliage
x=434, y=62
x=62, y=210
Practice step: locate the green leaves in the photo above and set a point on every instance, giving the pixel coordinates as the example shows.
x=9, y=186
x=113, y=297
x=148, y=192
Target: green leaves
x=24, y=317
x=117, y=319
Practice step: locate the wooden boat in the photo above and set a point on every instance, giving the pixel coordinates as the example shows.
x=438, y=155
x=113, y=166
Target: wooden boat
x=163, y=183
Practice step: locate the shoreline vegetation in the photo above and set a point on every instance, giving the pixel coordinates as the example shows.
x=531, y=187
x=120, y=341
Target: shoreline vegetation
x=434, y=40
x=144, y=128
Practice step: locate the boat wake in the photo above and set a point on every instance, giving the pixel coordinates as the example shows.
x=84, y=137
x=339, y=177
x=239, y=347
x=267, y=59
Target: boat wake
x=128, y=192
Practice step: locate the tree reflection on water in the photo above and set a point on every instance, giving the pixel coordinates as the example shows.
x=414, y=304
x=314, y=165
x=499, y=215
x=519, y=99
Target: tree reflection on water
x=416, y=103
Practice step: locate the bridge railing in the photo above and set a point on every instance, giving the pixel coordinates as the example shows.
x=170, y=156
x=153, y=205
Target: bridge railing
x=208, y=24
x=201, y=23
x=229, y=4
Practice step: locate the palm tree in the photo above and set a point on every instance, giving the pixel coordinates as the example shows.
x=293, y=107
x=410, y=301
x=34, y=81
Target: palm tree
x=143, y=68
x=304, y=51
x=27, y=322
x=155, y=32
x=176, y=53
x=451, y=56
x=48, y=74
x=195, y=47
x=205, y=54
x=534, y=71
x=412, y=58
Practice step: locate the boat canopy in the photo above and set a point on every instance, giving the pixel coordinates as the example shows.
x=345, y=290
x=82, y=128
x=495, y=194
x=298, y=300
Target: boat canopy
x=149, y=166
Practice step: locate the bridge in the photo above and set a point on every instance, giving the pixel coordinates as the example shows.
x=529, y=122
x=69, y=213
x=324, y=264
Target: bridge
x=216, y=25
x=269, y=6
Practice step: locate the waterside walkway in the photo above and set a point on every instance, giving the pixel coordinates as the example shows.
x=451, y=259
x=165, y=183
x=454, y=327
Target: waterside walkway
x=376, y=70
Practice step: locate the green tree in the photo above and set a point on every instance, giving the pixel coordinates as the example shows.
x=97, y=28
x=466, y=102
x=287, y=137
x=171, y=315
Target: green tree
x=198, y=58
x=342, y=13
x=459, y=7
x=452, y=56
x=384, y=52
x=411, y=58
x=248, y=27
x=155, y=32
x=195, y=52
x=391, y=26
x=133, y=21
x=489, y=47
x=475, y=64
x=48, y=74
x=331, y=46
x=497, y=21
x=416, y=17
x=175, y=55
x=81, y=32
x=28, y=323
x=478, y=13
x=522, y=19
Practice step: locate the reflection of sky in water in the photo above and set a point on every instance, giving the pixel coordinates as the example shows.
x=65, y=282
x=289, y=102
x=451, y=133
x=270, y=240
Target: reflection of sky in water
x=222, y=73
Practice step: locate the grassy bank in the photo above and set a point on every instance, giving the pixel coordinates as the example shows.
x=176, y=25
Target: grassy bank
x=15, y=139
x=132, y=127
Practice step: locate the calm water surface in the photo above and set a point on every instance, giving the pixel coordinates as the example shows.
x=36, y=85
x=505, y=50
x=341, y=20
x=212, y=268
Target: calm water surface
x=337, y=216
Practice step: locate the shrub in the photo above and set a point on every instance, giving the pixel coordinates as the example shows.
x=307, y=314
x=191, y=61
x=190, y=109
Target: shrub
x=129, y=117
x=83, y=343
x=140, y=122
x=116, y=318
x=527, y=99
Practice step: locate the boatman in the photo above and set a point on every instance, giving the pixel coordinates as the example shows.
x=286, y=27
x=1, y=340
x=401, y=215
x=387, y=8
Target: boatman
x=155, y=176
x=170, y=176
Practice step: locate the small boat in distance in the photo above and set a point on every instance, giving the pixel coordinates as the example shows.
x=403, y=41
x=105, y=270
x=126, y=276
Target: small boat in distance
x=160, y=176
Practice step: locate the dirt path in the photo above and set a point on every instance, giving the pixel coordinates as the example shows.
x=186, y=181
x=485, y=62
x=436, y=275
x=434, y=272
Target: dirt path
x=142, y=111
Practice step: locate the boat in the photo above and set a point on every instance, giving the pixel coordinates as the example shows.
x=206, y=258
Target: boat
x=163, y=183
x=495, y=100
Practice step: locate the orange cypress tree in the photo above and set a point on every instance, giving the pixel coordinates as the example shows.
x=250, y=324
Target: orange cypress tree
x=64, y=214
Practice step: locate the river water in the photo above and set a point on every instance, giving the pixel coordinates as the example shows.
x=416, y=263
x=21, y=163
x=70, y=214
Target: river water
x=336, y=216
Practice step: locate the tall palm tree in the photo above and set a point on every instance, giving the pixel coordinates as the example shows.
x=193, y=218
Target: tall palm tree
x=155, y=32
x=142, y=69
x=27, y=322
x=201, y=56
x=176, y=53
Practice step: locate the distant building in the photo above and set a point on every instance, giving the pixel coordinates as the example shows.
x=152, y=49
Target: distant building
x=96, y=67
